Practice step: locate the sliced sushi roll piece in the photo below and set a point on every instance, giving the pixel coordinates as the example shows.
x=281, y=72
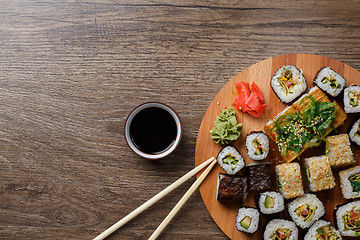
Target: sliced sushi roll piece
x=247, y=220
x=281, y=229
x=347, y=217
x=289, y=180
x=350, y=182
x=288, y=83
x=318, y=173
x=305, y=210
x=352, y=99
x=259, y=176
x=329, y=81
x=354, y=133
x=230, y=160
x=257, y=145
x=322, y=230
x=271, y=202
x=338, y=150
x=231, y=188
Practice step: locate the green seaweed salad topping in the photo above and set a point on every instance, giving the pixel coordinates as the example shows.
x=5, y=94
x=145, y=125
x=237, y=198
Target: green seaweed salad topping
x=304, y=129
x=226, y=128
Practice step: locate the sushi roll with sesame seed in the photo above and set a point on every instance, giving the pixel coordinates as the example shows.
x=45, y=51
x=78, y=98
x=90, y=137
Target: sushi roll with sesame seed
x=289, y=180
x=257, y=145
x=318, y=173
x=330, y=81
x=338, y=150
x=288, y=83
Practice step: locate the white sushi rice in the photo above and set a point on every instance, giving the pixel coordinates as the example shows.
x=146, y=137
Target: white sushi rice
x=339, y=217
x=252, y=213
x=231, y=169
x=355, y=91
x=278, y=202
x=352, y=134
x=263, y=140
x=298, y=89
x=346, y=187
x=311, y=234
x=276, y=224
x=313, y=201
x=330, y=74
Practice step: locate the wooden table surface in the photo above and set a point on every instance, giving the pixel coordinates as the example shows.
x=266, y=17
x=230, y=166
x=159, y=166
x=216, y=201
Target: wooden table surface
x=71, y=72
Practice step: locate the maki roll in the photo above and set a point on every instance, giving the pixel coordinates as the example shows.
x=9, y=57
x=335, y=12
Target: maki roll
x=347, y=217
x=329, y=81
x=288, y=83
x=350, y=182
x=259, y=176
x=352, y=99
x=318, y=173
x=289, y=180
x=231, y=188
x=271, y=202
x=257, y=145
x=247, y=220
x=230, y=160
x=305, y=210
x=338, y=150
x=354, y=133
x=278, y=229
x=322, y=230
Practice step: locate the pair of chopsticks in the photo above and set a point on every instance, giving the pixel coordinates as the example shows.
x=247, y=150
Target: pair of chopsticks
x=159, y=196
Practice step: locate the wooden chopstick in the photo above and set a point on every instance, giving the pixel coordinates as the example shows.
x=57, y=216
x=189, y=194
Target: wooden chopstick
x=182, y=201
x=153, y=200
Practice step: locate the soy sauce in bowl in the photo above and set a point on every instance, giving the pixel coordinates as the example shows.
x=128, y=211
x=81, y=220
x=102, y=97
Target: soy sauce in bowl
x=153, y=130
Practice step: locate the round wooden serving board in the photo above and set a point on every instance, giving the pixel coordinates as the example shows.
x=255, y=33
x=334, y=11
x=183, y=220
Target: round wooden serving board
x=261, y=73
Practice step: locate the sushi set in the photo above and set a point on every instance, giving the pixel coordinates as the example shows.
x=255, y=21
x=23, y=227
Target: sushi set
x=288, y=151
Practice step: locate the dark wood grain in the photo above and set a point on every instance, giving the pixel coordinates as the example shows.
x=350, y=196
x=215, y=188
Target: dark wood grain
x=71, y=71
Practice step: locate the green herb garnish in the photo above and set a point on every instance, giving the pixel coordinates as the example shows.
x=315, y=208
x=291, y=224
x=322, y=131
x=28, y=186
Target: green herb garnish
x=304, y=129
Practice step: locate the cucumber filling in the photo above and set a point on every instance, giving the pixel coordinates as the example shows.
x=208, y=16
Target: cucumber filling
x=230, y=160
x=332, y=81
